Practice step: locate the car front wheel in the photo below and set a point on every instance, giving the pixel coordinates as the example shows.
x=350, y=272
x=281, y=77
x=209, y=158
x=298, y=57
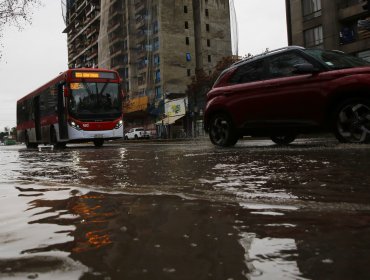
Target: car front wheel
x=283, y=139
x=352, y=121
x=222, y=132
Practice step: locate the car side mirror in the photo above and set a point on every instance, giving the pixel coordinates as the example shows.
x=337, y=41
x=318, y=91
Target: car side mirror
x=305, y=68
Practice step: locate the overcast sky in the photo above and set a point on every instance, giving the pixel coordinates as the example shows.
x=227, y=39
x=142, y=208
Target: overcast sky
x=38, y=53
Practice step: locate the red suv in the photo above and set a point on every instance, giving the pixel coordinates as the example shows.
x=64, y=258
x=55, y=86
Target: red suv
x=290, y=91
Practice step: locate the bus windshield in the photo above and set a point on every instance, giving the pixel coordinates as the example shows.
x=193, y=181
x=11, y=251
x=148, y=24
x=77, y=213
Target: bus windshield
x=91, y=100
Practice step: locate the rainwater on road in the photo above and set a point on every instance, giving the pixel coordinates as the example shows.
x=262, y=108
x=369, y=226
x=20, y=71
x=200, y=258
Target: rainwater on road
x=186, y=210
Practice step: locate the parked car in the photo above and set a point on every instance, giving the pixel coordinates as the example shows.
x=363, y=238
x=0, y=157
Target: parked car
x=291, y=91
x=137, y=133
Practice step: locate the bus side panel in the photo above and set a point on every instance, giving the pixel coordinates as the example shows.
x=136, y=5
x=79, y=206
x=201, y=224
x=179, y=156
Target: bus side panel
x=37, y=118
x=45, y=133
x=21, y=136
x=62, y=118
x=49, y=115
x=25, y=122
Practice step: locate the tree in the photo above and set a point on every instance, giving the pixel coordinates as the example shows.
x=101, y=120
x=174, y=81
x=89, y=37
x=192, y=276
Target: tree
x=15, y=13
x=201, y=84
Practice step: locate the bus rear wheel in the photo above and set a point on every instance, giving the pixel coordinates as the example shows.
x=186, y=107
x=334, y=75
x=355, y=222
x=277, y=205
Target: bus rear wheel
x=98, y=143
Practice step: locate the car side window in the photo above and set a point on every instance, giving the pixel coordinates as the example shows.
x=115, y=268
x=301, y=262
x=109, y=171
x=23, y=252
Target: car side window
x=249, y=72
x=283, y=65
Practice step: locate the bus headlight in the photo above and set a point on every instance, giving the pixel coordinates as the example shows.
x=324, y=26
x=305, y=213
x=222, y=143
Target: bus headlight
x=74, y=125
x=119, y=124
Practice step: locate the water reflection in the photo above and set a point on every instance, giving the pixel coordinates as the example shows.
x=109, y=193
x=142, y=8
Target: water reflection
x=196, y=213
x=160, y=237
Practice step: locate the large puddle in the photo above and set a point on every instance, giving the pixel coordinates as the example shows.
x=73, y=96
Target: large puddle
x=180, y=211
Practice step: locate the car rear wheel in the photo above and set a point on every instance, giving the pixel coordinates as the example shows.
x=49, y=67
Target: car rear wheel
x=222, y=132
x=283, y=139
x=352, y=121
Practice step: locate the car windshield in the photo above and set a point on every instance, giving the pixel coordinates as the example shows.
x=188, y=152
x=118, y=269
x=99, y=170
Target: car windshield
x=91, y=100
x=336, y=60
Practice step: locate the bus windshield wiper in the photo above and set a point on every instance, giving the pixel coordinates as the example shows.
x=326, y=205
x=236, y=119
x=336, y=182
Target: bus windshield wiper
x=103, y=88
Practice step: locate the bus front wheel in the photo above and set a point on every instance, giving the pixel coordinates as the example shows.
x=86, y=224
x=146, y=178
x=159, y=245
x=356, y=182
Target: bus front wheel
x=29, y=145
x=98, y=142
x=54, y=140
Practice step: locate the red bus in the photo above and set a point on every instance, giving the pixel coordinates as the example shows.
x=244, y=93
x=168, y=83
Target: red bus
x=80, y=105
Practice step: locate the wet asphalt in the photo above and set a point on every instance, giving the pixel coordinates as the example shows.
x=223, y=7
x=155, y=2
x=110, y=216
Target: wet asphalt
x=186, y=210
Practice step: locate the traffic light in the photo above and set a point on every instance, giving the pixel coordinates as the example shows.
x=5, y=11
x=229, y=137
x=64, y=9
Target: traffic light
x=366, y=6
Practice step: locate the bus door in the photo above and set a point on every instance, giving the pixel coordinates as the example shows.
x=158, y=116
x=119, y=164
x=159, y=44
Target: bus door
x=36, y=117
x=62, y=119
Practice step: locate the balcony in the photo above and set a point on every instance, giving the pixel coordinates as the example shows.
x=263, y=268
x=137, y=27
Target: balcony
x=355, y=37
x=139, y=6
x=91, y=55
x=350, y=9
x=116, y=52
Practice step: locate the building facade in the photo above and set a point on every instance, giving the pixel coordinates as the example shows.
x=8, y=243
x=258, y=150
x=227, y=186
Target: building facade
x=331, y=24
x=155, y=45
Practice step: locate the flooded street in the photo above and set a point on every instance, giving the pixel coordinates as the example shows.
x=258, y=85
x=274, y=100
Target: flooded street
x=186, y=210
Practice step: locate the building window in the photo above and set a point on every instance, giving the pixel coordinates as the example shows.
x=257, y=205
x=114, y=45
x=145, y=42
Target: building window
x=155, y=27
x=313, y=37
x=156, y=60
x=155, y=44
x=207, y=13
x=158, y=92
x=187, y=40
x=208, y=42
x=209, y=58
x=189, y=72
x=185, y=9
x=188, y=57
x=311, y=9
x=186, y=25
x=157, y=76
x=207, y=27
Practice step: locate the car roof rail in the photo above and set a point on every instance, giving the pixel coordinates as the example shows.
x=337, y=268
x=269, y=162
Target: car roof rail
x=268, y=52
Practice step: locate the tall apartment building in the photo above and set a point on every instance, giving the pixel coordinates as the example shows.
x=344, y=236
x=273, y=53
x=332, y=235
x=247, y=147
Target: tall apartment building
x=331, y=24
x=155, y=45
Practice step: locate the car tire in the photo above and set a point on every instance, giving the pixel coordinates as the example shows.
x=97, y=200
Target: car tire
x=283, y=139
x=351, y=121
x=222, y=132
